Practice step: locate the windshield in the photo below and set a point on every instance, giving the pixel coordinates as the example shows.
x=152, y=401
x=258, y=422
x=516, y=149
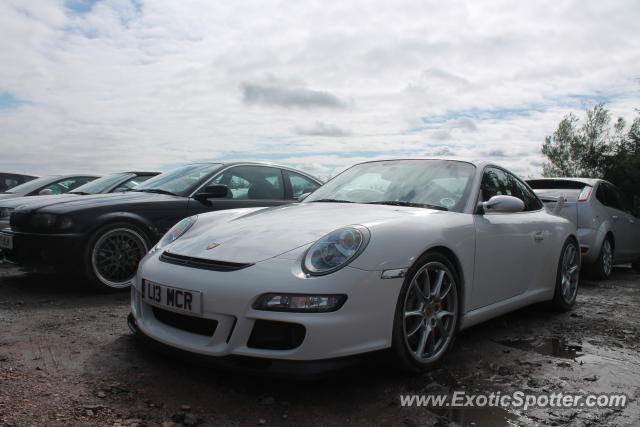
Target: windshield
x=30, y=186
x=100, y=185
x=439, y=184
x=179, y=180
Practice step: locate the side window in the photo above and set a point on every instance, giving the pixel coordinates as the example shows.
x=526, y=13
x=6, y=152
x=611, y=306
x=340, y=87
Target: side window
x=494, y=183
x=252, y=182
x=619, y=200
x=521, y=191
x=132, y=183
x=300, y=184
x=66, y=185
x=600, y=194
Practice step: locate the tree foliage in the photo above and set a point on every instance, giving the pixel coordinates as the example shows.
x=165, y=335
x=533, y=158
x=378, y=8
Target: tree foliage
x=596, y=149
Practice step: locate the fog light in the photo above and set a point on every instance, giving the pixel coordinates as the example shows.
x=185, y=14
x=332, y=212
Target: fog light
x=299, y=303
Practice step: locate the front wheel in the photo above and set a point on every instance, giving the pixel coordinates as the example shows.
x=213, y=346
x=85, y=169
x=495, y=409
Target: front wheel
x=567, y=276
x=113, y=254
x=427, y=313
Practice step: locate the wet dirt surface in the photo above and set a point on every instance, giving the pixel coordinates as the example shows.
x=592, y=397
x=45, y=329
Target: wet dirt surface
x=68, y=358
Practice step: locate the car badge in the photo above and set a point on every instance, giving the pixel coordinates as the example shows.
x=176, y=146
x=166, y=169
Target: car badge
x=213, y=245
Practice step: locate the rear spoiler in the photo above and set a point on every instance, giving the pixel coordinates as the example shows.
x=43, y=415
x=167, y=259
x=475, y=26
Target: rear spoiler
x=559, y=201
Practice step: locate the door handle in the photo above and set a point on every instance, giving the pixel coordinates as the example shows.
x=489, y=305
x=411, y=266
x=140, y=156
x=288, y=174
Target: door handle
x=614, y=217
x=538, y=236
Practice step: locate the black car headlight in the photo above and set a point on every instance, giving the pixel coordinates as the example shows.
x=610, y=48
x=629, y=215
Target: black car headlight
x=44, y=221
x=47, y=221
x=335, y=250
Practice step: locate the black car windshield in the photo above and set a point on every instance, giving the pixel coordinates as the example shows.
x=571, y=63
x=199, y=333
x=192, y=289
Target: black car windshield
x=32, y=185
x=436, y=184
x=180, y=180
x=100, y=185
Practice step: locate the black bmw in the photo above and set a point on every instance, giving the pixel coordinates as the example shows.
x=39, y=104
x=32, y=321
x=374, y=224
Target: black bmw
x=104, y=236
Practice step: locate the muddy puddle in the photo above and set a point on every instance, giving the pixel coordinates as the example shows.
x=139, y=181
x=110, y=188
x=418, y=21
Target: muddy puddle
x=478, y=417
x=554, y=347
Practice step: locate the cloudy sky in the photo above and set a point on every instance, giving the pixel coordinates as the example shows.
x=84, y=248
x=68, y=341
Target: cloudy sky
x=110, y=85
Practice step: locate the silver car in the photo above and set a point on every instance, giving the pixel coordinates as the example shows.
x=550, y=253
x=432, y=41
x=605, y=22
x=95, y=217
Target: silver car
x=608, y=227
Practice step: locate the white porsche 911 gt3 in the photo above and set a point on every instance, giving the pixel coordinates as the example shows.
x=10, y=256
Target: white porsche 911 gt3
x=398, y=254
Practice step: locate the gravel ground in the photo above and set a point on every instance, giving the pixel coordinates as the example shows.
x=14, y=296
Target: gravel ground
x=68, y=358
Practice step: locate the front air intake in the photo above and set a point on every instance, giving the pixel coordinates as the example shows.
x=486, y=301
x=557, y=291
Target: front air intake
x=205, y=264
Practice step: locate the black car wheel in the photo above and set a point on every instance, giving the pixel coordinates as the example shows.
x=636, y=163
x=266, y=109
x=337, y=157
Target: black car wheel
x=113, y=254
x=427, y=312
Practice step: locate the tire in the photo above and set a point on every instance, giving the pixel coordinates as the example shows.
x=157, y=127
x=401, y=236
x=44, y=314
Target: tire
x=567, y=276
x=421, y=339
x=112, y=255
x=604, y=264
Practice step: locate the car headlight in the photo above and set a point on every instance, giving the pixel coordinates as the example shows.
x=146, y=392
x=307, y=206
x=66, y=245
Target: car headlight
x=44, y=221
x=299, y=303
x=335, y=250
x=175, y=232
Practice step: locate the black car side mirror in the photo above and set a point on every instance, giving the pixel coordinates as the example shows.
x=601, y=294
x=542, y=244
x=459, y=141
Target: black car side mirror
x=217, y=191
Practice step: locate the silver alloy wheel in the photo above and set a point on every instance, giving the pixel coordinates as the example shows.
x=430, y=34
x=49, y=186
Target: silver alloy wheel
x=607, y=257
x=430, y=312
x=570, y=272
x=115, y=256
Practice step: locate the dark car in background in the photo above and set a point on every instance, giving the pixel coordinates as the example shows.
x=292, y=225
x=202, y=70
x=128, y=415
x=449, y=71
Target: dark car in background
x=103, y=237
x=121, y=181
x=10, y=180
x=47, y=185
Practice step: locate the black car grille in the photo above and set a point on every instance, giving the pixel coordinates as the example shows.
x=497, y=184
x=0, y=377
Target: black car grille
x=205, y=264
x=196, y=325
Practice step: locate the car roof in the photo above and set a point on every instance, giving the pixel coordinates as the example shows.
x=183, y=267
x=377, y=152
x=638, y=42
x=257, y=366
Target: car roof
x=273, y=165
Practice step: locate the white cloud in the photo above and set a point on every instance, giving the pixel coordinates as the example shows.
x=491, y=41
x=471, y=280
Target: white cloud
x=145, y=84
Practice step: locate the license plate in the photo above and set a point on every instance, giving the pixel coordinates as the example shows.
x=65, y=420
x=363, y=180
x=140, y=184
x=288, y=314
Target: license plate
x=6, y=241
x=172, y=298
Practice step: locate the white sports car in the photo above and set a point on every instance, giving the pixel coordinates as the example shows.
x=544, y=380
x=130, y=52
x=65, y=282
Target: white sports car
x=398, y=254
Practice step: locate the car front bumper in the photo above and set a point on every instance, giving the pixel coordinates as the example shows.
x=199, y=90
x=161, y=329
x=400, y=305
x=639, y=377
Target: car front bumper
x=45, y=252
x=363, y=324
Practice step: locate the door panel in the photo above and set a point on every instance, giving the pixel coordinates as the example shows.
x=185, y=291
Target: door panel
x=512, y=249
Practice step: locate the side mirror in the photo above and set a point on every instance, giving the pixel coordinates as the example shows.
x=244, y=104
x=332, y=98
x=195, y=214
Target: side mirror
x=45, y=192
x=303, y=196
x=503, y=204
x=217, y=191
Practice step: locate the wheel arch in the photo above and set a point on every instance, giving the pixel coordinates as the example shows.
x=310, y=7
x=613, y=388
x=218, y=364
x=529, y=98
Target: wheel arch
x=150, y=231
x=459, y=271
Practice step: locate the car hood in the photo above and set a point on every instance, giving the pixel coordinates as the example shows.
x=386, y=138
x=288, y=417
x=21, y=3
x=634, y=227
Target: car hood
x=254, y=235
x=36, y=201
x=72, y=202
x=9, y=196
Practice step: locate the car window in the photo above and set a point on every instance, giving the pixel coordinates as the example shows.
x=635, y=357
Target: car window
x=67, y=185
x=132, y=183
x=252, y=182
x=619, y=201
x=300, y=185
x=496, y=182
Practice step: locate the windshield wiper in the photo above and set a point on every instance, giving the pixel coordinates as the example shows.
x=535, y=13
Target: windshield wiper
x=156, y=190
x=408, y=204
x=332, y=201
